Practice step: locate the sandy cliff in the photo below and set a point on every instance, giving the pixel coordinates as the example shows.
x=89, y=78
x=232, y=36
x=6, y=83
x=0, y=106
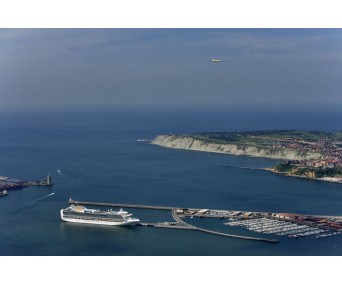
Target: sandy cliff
x=197, y=144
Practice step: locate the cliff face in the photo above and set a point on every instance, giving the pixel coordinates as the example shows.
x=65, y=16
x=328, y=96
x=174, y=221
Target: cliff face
x=190, y=143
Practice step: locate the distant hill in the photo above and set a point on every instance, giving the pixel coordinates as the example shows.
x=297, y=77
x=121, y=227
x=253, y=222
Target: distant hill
x=249, y=136
x=310, y=154
x=277, y=144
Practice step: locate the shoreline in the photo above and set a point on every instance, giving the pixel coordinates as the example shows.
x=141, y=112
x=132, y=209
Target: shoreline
x=189, y=143
x=285, y=174
x=296, y=176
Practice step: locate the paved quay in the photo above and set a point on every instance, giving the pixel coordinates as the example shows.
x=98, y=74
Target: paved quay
x=179, y=222
x=267, y=223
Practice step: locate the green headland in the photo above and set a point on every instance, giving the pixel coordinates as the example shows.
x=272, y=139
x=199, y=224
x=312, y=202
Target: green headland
x=311, y=154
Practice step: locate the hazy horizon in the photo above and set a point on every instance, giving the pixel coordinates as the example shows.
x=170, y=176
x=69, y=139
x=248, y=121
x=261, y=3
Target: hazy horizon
x=171, y=69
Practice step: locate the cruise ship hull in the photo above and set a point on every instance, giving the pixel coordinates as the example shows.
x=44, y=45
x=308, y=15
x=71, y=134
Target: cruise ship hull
x=97, y=221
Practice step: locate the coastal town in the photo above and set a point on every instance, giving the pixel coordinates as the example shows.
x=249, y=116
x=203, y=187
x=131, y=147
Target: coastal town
x=309, y=154
x=327, y=167
x=329, y=147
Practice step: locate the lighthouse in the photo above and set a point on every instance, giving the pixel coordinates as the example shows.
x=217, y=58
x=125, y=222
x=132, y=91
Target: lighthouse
x=48, y=180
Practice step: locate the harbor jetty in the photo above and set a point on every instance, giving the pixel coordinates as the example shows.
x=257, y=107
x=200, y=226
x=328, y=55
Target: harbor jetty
x=44, y=182
x=177, y=214
x=7, y=183
x=262, y=223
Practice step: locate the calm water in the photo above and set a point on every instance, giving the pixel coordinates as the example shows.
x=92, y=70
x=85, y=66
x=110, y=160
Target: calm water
x=96, y=157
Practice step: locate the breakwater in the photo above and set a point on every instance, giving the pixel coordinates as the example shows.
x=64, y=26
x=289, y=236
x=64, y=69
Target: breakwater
x=280, y=224
x=177, y=215
x=7, y=183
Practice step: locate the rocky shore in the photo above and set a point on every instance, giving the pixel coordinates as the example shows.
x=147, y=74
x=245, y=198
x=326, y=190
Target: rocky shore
x=194, y=143
x=329, y=179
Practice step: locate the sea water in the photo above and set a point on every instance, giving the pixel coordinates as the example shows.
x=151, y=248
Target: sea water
x=106, y=157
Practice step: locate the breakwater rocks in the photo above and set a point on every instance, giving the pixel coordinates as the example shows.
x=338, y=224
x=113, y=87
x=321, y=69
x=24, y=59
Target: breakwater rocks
x=195, y=143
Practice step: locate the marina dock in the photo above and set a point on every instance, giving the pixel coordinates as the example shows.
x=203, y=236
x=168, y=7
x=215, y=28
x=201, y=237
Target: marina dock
x=267, y=223
x=177, y=214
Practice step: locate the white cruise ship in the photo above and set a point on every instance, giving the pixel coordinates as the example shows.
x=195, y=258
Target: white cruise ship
x=81, y=214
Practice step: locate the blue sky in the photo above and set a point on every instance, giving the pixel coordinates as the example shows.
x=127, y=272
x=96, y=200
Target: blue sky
x=170, y=68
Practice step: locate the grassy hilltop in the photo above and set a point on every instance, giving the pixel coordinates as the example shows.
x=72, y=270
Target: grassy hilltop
x=260, y=137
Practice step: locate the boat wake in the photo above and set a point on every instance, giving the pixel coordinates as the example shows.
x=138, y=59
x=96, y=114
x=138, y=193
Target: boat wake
x=29, y=204
x=43, y=197
x=244, y=168
x=69, y=179
x=35, y=201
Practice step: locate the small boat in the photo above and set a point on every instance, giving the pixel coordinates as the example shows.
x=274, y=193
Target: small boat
x=3, y=193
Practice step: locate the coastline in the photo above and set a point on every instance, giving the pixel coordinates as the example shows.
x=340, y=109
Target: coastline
x=285, y=174
x=186, y=142
x=334, y=180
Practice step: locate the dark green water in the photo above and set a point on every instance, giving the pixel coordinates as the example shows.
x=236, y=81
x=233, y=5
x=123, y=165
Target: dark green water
x=96, y=157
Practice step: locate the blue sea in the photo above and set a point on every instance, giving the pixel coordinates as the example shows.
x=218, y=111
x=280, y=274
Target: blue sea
x=105, y=156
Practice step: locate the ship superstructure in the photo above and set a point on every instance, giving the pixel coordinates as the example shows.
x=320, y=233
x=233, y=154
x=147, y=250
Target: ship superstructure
x=81, y=214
